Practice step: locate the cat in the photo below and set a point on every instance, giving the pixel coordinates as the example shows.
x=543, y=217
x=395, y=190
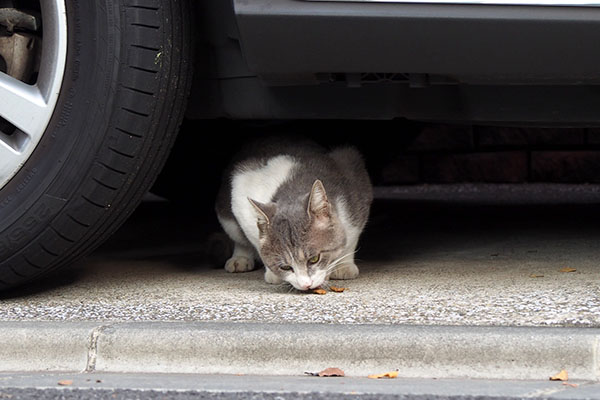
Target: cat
x=298, y=208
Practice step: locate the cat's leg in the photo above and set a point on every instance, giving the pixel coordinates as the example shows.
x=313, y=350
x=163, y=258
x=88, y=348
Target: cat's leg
x=244, y=254
x=242, y=259
x=270, y=277
x=346, y=269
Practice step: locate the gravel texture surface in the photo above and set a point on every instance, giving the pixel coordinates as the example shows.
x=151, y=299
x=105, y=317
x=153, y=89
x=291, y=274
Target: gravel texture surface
x=421, y=263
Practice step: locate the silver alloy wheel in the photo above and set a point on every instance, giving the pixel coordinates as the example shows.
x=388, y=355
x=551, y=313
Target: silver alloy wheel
x=30, y=107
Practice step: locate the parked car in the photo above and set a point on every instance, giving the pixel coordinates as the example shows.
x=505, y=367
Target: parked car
x=92, y=92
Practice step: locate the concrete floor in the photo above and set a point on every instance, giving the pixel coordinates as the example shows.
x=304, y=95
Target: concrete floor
x=442, y=262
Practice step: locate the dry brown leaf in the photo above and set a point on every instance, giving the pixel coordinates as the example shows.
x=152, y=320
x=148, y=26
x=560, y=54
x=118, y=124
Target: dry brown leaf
x=390, y=375
x=570, y=384
x=65, y=382
x=327, y=372
x=319, y=291
x=337, y=289
x=331, y=372
x=568, y=269
x=563, y=375
x=536, y=276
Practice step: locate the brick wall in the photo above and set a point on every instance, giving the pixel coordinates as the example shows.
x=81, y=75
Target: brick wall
x=451, y=154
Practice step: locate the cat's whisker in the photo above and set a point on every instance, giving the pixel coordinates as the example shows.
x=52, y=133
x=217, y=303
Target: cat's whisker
x=325, y=285
x=334, y=267
x=287, y=285
x=339, y=259
x=331, y=271
x=335, y=263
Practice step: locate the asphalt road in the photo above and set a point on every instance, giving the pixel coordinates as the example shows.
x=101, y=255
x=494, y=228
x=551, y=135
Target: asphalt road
x=183, y=386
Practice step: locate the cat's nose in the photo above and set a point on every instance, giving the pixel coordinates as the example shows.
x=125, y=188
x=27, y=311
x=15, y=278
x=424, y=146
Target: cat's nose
x=305, y=284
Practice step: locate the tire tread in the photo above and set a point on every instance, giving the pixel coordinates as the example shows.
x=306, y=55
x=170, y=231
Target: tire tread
x=136, y=146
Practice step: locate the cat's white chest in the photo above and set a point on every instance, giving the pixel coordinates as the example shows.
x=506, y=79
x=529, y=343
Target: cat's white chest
x=258, y=184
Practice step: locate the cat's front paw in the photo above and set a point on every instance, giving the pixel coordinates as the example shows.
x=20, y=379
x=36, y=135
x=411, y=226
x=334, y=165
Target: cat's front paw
x=345, y=271
x=271, y=278
x=239, y=264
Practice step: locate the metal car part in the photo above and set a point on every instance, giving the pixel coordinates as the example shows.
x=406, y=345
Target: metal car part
x=19, y=53
x=30, y=107
x=453, y=62
x=11, y=18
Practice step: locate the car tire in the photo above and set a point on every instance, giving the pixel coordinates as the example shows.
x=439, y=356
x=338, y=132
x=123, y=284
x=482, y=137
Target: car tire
x=126, y=80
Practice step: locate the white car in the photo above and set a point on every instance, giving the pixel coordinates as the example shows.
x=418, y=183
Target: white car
x=92, y=92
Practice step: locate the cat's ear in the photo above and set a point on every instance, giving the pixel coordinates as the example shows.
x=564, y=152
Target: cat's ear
x=264, y=214
x=319, y=208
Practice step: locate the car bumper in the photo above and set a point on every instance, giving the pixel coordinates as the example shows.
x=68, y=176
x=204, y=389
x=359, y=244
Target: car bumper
x=462, y=42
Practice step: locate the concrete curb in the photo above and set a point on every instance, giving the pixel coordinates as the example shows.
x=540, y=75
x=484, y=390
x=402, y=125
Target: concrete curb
x=291, y=349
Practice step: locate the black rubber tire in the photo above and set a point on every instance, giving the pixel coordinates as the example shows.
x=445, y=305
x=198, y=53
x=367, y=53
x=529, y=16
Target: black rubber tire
x=123, y=97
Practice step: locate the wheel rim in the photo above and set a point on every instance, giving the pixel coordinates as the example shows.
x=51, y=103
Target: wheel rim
x=28, y=108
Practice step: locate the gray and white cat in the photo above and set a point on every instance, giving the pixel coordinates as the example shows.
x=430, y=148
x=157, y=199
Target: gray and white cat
x=297, y=207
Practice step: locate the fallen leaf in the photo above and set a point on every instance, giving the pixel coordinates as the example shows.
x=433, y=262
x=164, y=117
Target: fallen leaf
x=332, y=372
x=390, y=375
x=536, y=276
x=65, y=382
x=568, y=269
x=563, y=375
x=327, y=372
x=570, y=384
x=337, y=289
x=319, y=291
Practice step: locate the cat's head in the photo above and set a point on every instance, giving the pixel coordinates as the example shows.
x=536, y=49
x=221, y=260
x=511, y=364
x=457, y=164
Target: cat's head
x=301, y=242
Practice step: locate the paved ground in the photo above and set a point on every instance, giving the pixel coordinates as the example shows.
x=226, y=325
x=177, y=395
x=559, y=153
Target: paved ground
x=454, y=284
x=181, y=386
x=465, y=262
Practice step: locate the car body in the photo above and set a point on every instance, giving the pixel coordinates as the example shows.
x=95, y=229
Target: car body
x=92, y=94
x=470, y=61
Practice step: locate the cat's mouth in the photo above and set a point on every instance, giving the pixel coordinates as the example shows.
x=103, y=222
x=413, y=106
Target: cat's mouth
x=302, y=288
x=309, y=287
x=306, y=289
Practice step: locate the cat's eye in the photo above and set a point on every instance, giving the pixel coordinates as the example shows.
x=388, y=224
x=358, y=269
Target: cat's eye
x=286, y=267
x=314, y=259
